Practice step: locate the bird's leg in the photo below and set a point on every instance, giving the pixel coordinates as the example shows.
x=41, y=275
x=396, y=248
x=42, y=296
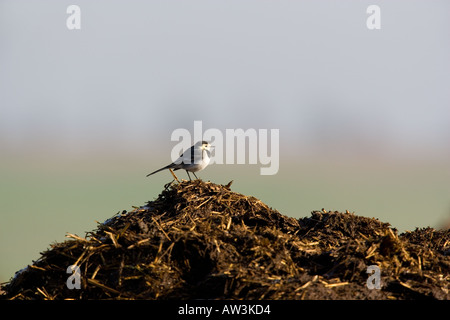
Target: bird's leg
x=174, y=175
x=188, y=175
x=195, y=175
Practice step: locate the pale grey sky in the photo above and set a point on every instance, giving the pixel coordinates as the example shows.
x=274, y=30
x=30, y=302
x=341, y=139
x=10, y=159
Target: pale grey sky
x=310, y=68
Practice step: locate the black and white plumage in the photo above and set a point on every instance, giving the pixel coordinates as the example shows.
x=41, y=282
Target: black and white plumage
x=194, y=159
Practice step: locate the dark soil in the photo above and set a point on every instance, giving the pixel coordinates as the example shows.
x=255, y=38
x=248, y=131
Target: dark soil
x=200, y=240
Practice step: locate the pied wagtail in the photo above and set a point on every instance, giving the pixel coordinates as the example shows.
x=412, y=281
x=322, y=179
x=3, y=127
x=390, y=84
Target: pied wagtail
x=194, y=159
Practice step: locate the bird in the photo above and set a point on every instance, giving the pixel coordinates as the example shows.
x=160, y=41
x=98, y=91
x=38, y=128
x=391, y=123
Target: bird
x=194, y=159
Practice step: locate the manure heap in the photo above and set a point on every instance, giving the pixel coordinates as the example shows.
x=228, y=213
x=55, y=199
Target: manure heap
x=200, y=240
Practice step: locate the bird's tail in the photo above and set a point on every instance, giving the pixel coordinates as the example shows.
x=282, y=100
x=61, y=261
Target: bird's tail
x=166, y=167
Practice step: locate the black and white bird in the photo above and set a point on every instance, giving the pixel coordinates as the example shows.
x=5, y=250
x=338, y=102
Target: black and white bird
x=194, y=159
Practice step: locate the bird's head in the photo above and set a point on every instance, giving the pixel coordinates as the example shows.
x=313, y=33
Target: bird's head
x=206, y=146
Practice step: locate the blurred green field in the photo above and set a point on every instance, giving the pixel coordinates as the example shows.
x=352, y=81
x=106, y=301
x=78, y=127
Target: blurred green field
x=43, y=199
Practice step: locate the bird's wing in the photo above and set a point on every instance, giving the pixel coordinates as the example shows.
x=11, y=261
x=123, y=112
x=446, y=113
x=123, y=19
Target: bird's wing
x=190, y=156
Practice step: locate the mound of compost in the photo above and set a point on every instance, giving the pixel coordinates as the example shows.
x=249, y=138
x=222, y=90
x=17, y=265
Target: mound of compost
x=200, y=240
